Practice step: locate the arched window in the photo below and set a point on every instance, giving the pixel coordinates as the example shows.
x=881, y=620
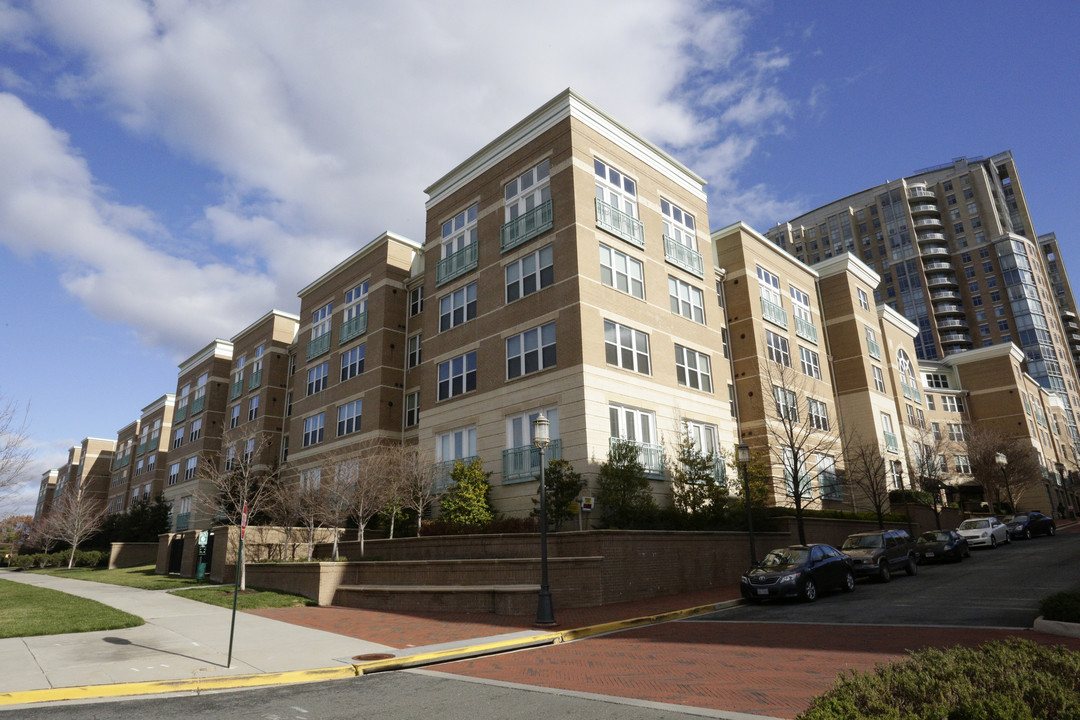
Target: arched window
x=907, y=370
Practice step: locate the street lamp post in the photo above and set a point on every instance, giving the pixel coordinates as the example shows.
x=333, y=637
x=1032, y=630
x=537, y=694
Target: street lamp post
x=545, y=615
x=1002, y=463
x=742, y=456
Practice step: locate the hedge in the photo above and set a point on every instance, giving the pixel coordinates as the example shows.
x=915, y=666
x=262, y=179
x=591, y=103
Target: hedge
x=1063, y=607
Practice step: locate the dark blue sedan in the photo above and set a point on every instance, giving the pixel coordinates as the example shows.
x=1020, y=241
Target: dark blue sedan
x=799, y=571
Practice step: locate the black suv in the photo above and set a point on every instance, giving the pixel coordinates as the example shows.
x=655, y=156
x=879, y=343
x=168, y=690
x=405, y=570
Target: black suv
x=1029, y=524
x=879, y=554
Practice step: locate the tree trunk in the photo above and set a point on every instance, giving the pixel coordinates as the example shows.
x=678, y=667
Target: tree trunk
x=242, y=567
x=71, y=558
x=335, y=544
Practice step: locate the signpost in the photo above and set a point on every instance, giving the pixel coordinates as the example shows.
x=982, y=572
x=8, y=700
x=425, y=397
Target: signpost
x=236, y=582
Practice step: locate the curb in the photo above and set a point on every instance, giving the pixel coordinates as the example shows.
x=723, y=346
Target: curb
x=228, y=682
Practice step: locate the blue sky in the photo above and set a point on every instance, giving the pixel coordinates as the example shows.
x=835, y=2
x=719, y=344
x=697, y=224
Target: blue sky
x=169, y=171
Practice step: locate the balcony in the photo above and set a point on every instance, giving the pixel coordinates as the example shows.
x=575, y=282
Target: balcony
x=457, y=263
x=619, y=224
x=938, y=265
x=927, y=222
x=236, y=389
x=719, y=472
x=651, y=456
x=140, y=449
x=774, y=313
x=873, y=348
x=948, y=309
x=525, y=227
x=924, y=207
x=935, y=250
x=941, y=279
x=318, y=346
x=890, y=442
x=806, y=330
x=354, y=327
x=952, y=323
x=255, y=380
x=180, y=414
x=183, y=521
x=197, y=405
x=945, y=295
x=931, y=236
x=523, y=463
x=683, y=257
x=911, y=392
x=915, y=193
x=955, y=337
x=442, y=481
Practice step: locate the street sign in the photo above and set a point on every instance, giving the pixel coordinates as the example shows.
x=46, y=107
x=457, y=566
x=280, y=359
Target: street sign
x=586, y=504
x=243, y=521
x=204, y=538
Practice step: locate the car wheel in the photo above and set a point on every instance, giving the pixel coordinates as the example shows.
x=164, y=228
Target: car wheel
x=993, y=541
x=1051, y=531
x=809, y=590
x=884, y=574
x=1027, y=534
x=967, y=552
x=912, y=567
x=1008, y=538
x=849, y=582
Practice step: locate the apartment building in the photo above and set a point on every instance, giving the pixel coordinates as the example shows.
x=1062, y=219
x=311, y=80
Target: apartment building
x=46, y=491
x=151, y=465
x=1063, y=294
x=122, y=467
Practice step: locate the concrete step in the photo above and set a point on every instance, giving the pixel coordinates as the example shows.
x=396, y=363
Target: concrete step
x=502, y=599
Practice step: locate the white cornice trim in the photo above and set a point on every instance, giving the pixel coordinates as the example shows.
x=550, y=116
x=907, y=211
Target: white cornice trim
x=216, y=348
x=370, y=246
x=850, y=264
x=784, y=255
x=887, y=314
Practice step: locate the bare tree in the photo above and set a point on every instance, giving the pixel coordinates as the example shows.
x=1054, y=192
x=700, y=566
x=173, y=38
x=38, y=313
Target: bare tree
x=1021, y=473
x=800, y=434
x=371, y=469
x=416, y=475
x=75, y=517
x=303, y=503
x=15, y=453
x=867, y=473
x=926, y=465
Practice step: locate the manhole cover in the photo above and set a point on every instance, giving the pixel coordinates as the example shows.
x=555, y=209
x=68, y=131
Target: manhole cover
x=372, y=656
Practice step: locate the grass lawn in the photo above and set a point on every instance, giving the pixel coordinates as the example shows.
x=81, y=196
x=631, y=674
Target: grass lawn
x=248, y=600
x=29, y=610
x=137, y=577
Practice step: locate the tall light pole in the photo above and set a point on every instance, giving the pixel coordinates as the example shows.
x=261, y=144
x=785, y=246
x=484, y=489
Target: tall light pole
x=545, y=615
x=1002, y=463
x=742, y=457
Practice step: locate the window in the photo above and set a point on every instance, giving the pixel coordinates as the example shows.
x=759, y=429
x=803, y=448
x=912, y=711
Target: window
x=412, y=409
x=615, y=189
x=956, y=432
x=704, y=436
x=828, y=483
x=800, y=303
x=313, y=429
x=686, y=300
x=238, y=370
x=348, y=417
x=930, y=402
x=230, y=459
x=810, y=365
x=879, y=380
x=786, y=406
x=769, y=286
x=1003, y=325
x=963, y=465
x=356, y=302
x=872, y=343
x=457, y=376
x=257, y=365
x=864, y=301
x=234, y=416
x=459, y=231
x=633, y=424
x=626, y=348
x=531, y=351
x=519, y=430
x=456, y=444
x=199, y=398
x=777, y=347
x=316, y=378
x=952, y=403
x=320, y=320
x=178, y=437
x=174, y=473
x=190, y=467
x=693, y=369
x=253, y=408
x=413, y=350
x=935, y=428
x=910, y=414
x=621, y=272
x=151, y=461
x=817, y=413
x=896, y=470
x=249, y=450
x=352, y=362
x=529, y=191
x=935, y=380
x=416, y=301
x=457, y=307
x=196, y=430
x=724, y=343
x=678, y=225
x=527, y=275
x=790, y=472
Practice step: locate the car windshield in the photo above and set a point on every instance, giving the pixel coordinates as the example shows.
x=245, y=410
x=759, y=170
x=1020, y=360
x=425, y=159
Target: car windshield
x=974, y=524
x=863, y=541
x=932, y=537
x=785, y=556
x=1019, y=519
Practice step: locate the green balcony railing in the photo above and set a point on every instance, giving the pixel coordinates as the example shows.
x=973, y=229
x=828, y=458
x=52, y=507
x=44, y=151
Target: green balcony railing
x=774, y=313
x=874, y=349
x=684, y=257
x=236, y=389
x=523, y=463
x=457, y=263
x=197, y=405
x=651, y=456
x=806, y=330
x=525, y=227
x=183, y=521
x=318, y=346
x=353, y=327
x=255, y=380
x=140, y=448
x=719, y=470
x=442, y=481
x=831, y=489
x=619, y=224
x=890, y=442
x=180, y=414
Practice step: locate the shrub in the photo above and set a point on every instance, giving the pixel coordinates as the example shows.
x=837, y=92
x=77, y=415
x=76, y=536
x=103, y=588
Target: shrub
x=1063, y=607
x=915, y=497
x=1013, y=679
x=468, y=501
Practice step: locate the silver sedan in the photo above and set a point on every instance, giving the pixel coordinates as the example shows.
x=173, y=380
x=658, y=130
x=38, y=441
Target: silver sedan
x=984, y=531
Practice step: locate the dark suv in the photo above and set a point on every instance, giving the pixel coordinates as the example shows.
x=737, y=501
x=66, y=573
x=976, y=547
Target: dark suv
x=879, y=554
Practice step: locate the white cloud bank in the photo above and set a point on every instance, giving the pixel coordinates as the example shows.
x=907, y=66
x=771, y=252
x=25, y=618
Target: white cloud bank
x=325, y=120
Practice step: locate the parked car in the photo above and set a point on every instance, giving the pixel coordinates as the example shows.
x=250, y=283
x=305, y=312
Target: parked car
x=984, y=531
x=941, y=545
x=1028, y=525
x=799, y=571
x=879, y=554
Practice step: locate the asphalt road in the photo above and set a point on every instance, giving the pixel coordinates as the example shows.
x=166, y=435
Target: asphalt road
x=993, y=588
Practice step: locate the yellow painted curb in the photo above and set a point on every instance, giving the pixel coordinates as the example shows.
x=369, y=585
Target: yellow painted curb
x=462, y=653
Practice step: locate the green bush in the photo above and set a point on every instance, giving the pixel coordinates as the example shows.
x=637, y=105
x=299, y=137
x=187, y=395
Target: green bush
x=1063, y=607
x=915, y=497
x=1009, y=680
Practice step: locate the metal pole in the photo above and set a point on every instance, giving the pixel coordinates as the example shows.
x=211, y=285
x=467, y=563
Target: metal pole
x=236, y=594
x=749, y=514
x=545, y=615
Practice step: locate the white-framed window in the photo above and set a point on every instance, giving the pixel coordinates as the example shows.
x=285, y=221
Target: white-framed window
x=956, y=432
x=457, y=376
x=935, y=380
x=456, y=444
x=174, y=473
x=314, y=427
x=257, y=363
x=200, y=387
x=459, y=231
x=907, y=370
x=196, y=430
x=872, y=343
x=810, y=364
x=356, y=301
x=864, y=300
x=139, y=465
x=615, y=188
x=626, y=347
x=348, y=417
x=529, y=274
x=253, y=408
x=238, y=369
x=828, y=483
x=413, y=349
x=190, y=467
x=182, y=402
x=777, y=348
x=703, y=435
x=320, y=320
x=930, y=401
x=787, y=407
x=678, y=224
x=230, y=458
x=457, y=307
x=879, y=379
x=249, y=451
x=896, y=471
x=800, y=305
x=952, y=403
x=804, y=483
x=686, y=300
x=528, y=191
x=352, y=362
x=311, y=478
x=519, y=427
x=817, y=413
x=962, y=464
x=151, y=461
x=316, y=377
x=412, y=409
x=530, y=351
x=769, y=286
x=234, y=416
x=622, y=272
x=416, y=301
x=633, y=424
x=693, y=369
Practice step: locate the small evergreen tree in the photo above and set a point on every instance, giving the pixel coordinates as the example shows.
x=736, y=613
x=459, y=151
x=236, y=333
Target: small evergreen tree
x=563, y=485
x=623, y=491
x=695, y=488
x=467, y=503
x=143, y=521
